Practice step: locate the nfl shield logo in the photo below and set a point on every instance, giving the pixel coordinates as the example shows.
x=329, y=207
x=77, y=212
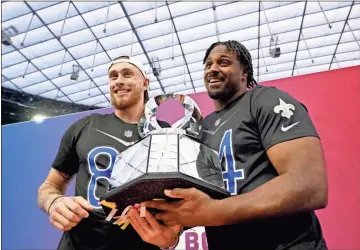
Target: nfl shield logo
x=217, y=122
x=128, y=133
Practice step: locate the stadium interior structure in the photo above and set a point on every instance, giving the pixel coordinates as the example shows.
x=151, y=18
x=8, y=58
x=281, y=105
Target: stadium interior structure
x=55, y=54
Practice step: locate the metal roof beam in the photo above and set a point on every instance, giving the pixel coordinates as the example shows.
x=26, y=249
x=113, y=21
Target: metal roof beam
x=92, y=32
x=182, y=51
x=139, y=41
x=337, y=45
x=47, y=78
x=59, y=39
x=183, y=43
x=202, y=70
x=141, y=26
x=298, y=41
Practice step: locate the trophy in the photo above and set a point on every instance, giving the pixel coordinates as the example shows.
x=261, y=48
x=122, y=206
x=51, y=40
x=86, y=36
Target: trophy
x=165, y=158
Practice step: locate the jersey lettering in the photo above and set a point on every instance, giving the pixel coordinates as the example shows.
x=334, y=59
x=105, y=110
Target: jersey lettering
x=231, y=174
x=98, y=173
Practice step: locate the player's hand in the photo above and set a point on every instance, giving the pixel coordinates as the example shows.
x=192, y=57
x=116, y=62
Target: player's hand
x=67, y=212
x=151, y=231
x=194, y=209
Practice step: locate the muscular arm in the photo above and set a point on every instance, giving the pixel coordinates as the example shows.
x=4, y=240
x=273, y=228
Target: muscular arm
x=300, y=186
x=53, y=187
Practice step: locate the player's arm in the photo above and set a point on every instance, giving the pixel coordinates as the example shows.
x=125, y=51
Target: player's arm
x=54, y=187
x=295, y=151
x=65, y=212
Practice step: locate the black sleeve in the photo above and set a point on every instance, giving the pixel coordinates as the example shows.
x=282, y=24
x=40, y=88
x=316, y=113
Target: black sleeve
x=280, y=117
x=67, y=160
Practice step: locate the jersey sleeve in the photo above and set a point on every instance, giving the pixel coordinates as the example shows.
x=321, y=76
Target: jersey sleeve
x=67, y=160
x=280, y=117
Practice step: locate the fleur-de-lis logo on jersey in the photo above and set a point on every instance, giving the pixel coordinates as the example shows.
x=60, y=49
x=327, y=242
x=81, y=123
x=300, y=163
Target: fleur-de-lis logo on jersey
x=285, y=108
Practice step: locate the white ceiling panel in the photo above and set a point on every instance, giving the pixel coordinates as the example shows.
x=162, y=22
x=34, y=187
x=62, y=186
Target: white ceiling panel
x=84, y=94
x=236, y=9
x=101, y=80
x=154, y=84
x=12, y=59
x=12, y=10
x=118, y=40
x=183, y=8
x=52, y=59
x=58, y=70
x=77, y=87
x=186, y=91
x=64, y=80
x=350, y=63
x=42, y=49
x=105, y=88
x=137, y=7
x=93, y=100
x=197, y=33
x=57, y=12
x=277, y=75
x=9, y=85
x=67, y=26
x=168, y=73
x=200, y=89
x=197, y=26
x=132, y=49
x=199, y=83
x=29, y=79
x=103, y=104
x=157, y=29
x=53, y=94
x=98, y=16
x=77, y=38
x=194, y=19
x=84, y=7
x=155, y=92
x=18, y=70
x=176, y=88
x=148, y=17
x=41, y=5
x=111, y=28
x=22, y=22
x=39, y=88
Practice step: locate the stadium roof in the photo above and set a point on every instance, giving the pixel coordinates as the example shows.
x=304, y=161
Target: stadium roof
x=49, y=38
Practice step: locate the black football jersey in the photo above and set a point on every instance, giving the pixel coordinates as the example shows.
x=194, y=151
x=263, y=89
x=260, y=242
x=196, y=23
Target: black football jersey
x=88, y=150
x=241, y=133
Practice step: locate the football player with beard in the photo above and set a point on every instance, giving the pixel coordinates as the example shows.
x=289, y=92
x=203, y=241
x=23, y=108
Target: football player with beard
x=88, y=151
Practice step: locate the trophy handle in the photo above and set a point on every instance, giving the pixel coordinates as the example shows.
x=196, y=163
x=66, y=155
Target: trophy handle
x=148, y=121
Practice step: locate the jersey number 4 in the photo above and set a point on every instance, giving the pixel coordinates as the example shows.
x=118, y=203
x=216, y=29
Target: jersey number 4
x=231, y=174
x=99, y=173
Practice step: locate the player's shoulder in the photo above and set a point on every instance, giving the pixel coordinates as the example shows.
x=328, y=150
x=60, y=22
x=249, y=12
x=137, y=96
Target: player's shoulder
x=269, y=97
x=264, y=95
x=85, y=121
x=266, y=91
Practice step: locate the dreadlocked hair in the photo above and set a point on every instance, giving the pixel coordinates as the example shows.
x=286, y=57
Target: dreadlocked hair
x=242, y=55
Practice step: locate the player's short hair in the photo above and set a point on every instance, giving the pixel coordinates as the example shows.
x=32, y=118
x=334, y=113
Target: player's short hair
x=243, y=56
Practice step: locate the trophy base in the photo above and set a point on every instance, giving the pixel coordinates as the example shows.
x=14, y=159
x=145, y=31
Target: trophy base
x=152, y=185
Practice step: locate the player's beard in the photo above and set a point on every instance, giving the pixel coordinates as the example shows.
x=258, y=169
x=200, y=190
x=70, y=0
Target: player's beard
x=124, y=102
x=223, y=94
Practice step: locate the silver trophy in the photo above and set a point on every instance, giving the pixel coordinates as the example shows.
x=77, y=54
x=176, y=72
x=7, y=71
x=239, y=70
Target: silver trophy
x=165, y=158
